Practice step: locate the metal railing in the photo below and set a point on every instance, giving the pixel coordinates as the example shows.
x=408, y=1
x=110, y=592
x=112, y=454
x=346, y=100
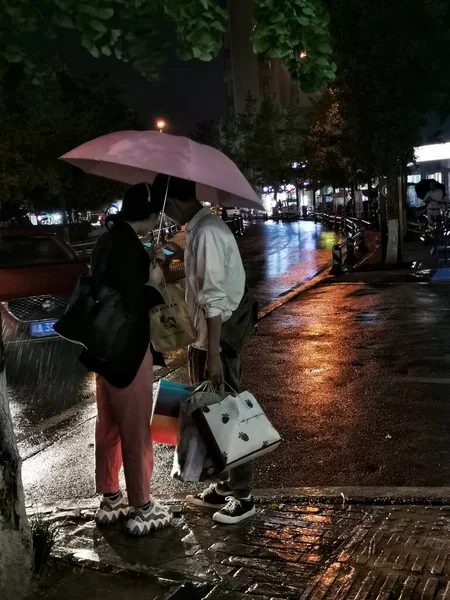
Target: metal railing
x=236, y=224
x=344, y=254
x=166, y=232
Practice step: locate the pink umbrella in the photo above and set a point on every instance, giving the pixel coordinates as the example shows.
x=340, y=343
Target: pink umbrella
x=138, y=156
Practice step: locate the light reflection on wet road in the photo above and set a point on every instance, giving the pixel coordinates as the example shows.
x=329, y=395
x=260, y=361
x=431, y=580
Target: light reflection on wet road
x=353, y=376
x=45, y=378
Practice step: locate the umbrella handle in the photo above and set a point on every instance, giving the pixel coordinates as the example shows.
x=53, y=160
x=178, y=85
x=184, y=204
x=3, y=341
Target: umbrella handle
x=162, y=212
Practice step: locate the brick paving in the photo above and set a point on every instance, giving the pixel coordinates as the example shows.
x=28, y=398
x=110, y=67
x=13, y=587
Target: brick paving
x=288, y=551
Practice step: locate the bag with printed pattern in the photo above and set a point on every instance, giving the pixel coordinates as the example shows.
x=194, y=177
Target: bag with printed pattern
x=236, y=430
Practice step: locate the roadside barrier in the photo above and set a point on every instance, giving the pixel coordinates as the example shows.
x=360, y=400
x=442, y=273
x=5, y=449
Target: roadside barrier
x=344, y=254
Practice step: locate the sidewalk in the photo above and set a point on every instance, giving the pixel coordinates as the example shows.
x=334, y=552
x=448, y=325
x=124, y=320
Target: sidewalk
x=418, y=263
x=288, y=551
x=354, y=374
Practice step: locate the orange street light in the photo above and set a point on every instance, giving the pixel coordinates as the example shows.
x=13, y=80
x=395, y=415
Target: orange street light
x=303, y=54
x=161, y=125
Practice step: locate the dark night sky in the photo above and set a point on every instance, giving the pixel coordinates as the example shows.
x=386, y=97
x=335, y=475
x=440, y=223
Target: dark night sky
x=188, y=92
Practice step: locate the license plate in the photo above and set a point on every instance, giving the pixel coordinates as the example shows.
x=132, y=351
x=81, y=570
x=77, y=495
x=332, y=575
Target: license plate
x=42, y=329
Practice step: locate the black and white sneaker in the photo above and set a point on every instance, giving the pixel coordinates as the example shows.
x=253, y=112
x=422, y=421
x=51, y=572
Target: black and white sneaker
x=141, y=521
x=110, y=511
x=235, y=511
x=210, y=498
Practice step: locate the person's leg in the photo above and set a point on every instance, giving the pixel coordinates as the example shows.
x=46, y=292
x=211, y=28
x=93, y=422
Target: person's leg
x=240, y=505
x=210, y=497
x=198, y=360
x=238, y=480
x=132, y=408
x=108, y=458
x=108, y=454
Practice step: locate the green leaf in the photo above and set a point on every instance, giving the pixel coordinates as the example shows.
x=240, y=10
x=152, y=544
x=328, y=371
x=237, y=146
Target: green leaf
x=90, y=47
x=277, y=17
x=15, y=12
x=217, y=25
x=98, y=26
x=201, y=54
x=322, y=61
x=309, y=10
x=12, y=57
x=260, y=46
x=63, y=20
x=325, y=48
x=104, y=13
x=115, y=35
x=303, y=21
x=106, y=51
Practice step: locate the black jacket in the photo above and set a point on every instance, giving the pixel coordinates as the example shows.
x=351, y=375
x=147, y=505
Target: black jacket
x=126, y=267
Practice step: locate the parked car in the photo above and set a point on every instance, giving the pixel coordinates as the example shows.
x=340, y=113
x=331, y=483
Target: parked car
x=233, y=212
x=38, y=273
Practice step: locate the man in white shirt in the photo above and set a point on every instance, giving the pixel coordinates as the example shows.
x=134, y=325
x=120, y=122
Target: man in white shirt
x=433, y=201
x=215, y=293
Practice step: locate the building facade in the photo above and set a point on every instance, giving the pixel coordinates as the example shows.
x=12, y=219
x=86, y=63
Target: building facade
x=245, y=72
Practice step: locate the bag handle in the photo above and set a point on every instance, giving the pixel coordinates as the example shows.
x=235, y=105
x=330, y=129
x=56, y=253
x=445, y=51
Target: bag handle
x=231, y=388
x=206, y=386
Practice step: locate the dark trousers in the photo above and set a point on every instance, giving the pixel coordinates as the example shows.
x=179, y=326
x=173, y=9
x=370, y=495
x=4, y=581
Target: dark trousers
x=237, y=480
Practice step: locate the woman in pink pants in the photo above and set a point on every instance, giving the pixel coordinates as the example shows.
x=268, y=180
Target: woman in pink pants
x=124, y=389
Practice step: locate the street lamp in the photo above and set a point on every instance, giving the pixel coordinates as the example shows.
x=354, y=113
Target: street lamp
x=161, y=125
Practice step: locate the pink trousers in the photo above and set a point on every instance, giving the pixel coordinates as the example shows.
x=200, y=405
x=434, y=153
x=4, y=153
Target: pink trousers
x=123, y=435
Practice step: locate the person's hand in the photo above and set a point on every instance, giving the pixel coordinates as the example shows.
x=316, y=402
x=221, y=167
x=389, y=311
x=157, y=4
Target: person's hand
x=178, y=252
x=156, y=274
x=159, y=257
x=215, y=370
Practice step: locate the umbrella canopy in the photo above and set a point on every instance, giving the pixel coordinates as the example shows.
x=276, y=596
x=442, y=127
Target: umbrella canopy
x=138, y=156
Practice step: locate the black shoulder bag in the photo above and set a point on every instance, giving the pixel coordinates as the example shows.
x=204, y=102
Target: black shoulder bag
x=98, y=319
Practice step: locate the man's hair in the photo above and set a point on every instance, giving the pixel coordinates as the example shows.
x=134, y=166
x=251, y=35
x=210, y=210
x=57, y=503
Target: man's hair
x=179, y=189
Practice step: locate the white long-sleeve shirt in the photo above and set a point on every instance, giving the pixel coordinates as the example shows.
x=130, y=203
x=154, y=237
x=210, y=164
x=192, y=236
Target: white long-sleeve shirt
x=215, y=276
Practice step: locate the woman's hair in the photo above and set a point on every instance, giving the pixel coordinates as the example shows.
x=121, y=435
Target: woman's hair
x=139, y=204
x=181, y=189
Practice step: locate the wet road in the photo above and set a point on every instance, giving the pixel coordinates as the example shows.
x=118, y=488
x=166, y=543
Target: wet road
x=45, y=377
x=356, y=377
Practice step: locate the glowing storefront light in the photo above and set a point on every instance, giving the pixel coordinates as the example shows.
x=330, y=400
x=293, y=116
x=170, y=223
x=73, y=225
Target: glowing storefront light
x=433, y=152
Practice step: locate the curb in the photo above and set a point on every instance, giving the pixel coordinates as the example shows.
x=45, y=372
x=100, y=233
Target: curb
x=382, y=495
x=298, y=289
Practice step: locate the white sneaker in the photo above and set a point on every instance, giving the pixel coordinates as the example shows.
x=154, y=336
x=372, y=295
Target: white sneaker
x=109, y=511
x=141, y=522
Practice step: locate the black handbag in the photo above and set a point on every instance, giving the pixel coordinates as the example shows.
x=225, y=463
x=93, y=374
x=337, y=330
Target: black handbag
x=98, y=319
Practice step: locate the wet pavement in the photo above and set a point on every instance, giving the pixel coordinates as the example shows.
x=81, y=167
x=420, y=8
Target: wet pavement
x=288, y=551
x=354, y=376
x=45, y=377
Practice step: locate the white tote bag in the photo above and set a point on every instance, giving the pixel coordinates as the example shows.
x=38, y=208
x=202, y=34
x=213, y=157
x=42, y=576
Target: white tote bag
x=236, y=430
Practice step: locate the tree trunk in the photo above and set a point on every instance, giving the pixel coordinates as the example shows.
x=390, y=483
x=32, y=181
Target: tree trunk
x=16, y=551
x=393, y=214
x=382, y=213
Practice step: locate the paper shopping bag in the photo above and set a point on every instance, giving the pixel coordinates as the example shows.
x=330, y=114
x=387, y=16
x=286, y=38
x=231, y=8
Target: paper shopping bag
x=236, y=430
x=192, y=462
x=170, y=323
x=166, y=410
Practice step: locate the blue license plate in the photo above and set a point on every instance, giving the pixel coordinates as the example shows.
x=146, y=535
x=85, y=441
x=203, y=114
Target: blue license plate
x=42, y=329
